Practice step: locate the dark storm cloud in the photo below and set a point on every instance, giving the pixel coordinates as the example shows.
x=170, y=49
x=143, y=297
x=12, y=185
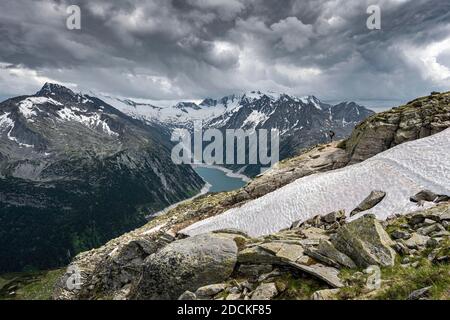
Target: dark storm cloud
x=160, y=49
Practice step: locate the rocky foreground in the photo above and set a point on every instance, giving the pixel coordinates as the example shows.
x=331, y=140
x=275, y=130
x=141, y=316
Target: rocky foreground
x=326, y=253
x=325, y=257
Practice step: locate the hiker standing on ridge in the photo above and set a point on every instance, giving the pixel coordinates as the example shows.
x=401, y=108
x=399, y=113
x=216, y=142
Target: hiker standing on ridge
x=331, y=134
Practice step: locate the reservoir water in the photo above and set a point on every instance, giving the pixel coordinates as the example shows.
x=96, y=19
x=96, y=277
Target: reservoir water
x=219, y=180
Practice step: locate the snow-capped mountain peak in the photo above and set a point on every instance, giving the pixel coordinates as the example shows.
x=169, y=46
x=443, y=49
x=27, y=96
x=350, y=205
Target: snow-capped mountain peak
x=313, y=100
x=53, y=89
x=54, y=109
x=301, y=121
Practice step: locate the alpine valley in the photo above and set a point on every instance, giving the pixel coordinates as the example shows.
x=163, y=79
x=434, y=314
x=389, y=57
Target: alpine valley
x=77, y=170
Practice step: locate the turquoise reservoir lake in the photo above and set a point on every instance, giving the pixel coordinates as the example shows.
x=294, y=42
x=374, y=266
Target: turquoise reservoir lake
x=219, y=180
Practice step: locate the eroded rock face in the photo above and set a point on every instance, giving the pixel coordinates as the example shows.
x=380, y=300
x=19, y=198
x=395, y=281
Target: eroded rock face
x=365, y=242
x=186, y=265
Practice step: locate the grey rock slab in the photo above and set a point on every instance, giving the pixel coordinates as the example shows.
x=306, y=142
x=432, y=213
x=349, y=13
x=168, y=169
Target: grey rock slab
x=328, y=254
x=366, y=242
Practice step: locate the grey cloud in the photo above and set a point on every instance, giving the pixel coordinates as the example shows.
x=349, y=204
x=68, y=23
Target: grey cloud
x=182, y=49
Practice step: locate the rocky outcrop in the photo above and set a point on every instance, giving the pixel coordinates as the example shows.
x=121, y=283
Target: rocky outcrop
x=317, y=159
x=186, y=265
x=417, y=119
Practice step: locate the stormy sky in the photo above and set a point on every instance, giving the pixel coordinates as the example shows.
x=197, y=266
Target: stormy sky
x=191, y=49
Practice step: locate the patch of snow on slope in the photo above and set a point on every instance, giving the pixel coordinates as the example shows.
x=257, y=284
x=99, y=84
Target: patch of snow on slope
x=27, y=107
x=7, y=123
x=401, y=172
x=254, y=119
x=311, y=100
x=92, y=121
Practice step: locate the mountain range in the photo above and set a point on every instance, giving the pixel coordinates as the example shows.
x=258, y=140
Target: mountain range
x=301, y=121
x=75, y=172
x=79, y=169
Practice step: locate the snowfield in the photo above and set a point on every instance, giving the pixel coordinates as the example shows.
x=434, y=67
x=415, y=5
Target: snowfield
x=401, y=172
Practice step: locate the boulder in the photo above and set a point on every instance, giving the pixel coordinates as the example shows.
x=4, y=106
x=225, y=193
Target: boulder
x=187, y=295
x=265, y=291
x=271, y=247
x=273, y=274
x=399, y=234
x=334, y=216
x=210, y=290
x=186, y=264
x=371, y=201
x=416, y=241
x=419, y=294
x=427, y=195
x=445, y=216
x=234, y=296
x=365, y=242
x=232, y=232
x=416, y=219
x=314, y=234
x=436, y=227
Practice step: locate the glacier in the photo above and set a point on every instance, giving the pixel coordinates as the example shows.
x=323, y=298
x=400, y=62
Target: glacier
x=401, y=172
